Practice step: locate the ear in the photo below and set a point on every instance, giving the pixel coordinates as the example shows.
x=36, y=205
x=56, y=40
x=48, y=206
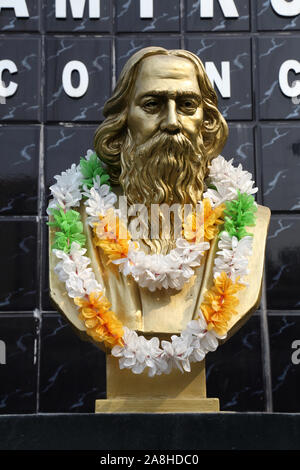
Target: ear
x=214, y=132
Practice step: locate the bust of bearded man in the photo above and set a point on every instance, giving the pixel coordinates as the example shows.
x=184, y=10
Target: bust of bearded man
x=162, y=131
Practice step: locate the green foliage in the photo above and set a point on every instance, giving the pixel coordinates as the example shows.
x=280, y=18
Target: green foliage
x=92, y=168
x=69, y=229
x=239, y=214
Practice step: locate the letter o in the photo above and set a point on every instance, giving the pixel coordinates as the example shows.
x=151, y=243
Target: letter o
x=286, y=8
x=75, y=92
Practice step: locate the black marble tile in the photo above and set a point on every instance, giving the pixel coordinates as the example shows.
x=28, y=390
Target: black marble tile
x=19, y=287
x=127, y=46
x=21, y=79
x=93, y=85
x=283, y=262
x=280, y=161
x=276, y=101
x=284, y=331
x=72, y=374
x=19, y=169
x=18, y=364
x=85, y=23
x=235, y=101
x=12, y=20
x=165, y=17
x=240, y=146
x=269, y=16
x=221, y=20
x=234, y=370
x=64, y=146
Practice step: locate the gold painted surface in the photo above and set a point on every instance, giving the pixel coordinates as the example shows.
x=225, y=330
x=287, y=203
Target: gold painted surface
x=156, y=405
x=161, y=93
x=167, y=311
x=125, y=384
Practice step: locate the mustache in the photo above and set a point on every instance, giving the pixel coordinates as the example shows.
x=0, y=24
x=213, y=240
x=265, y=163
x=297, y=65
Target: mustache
x=170, y=143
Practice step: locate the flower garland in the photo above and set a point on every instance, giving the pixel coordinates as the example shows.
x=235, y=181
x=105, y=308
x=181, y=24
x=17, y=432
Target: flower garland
x=229, y=196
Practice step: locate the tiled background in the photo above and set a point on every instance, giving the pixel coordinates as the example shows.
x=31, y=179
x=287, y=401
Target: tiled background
x=47, y=367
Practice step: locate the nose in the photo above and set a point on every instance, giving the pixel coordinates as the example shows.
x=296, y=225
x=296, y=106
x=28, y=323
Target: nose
x=170, y=121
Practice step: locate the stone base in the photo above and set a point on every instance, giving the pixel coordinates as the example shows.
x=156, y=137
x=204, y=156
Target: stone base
x=157, y=405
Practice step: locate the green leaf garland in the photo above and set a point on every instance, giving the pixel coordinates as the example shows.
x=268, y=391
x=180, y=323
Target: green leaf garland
x=92, y=168
x=239, y=214
x=69, y=227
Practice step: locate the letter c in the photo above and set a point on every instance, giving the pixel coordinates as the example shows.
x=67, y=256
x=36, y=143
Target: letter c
x=286, y=88
x=10, y=90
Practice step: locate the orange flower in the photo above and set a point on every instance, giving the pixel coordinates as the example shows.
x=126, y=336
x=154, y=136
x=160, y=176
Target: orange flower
x=195, y=230
x=219, y=303
x=101, y=323
x=212, y=218
x=111, y=236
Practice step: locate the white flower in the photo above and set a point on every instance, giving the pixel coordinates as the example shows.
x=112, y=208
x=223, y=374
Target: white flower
x=163, y=271
x=88, y=155
x=100, y=200
x=72, y=269
x=233, y=258
x=139, y=353
x=178, y=352
x=66, y=192
x=228, y=180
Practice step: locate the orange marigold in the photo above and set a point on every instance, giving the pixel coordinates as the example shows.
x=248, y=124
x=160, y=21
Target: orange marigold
x=212, y=218
x=112, y=236
x=101, y=323
x=219, y=303
x=203, y=226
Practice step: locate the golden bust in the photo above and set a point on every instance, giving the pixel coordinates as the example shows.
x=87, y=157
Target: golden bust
x=161, y=118
x=162, y=130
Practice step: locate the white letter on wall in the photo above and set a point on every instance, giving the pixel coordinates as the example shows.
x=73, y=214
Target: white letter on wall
x=286, y=88
x=286, y=8
x=10, y=90
x=228, y=7
x=79, y=67
x=20, y=7
x=2, y=352
x=77, y=8
x=222, y=82
x=146, y=8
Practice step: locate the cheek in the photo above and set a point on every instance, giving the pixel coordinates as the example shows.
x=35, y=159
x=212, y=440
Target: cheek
x=192, y=124
x=140, y=125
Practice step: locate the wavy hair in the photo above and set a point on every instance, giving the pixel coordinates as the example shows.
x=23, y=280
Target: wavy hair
x=111, y=134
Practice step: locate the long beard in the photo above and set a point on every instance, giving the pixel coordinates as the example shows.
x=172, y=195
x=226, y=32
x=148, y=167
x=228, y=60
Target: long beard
x=166, y=169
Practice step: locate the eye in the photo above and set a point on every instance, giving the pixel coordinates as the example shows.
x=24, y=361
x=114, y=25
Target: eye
x=151, y=106
x=188, y=106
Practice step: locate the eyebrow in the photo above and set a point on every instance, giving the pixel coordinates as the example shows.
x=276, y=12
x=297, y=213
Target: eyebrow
x=173, y=94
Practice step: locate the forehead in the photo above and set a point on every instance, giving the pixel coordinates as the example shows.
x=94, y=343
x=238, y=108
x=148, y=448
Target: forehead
x=166, y=73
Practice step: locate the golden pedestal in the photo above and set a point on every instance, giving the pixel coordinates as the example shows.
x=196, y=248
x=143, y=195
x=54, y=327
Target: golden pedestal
x=173, y=393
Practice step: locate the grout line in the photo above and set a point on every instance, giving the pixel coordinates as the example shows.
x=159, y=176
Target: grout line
x=41, y=194
x=182, y=24
x=113, y=52
x=265, y=346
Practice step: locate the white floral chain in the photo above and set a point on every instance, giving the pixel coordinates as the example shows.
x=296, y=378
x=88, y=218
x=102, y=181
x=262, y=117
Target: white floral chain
x=195, y=341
